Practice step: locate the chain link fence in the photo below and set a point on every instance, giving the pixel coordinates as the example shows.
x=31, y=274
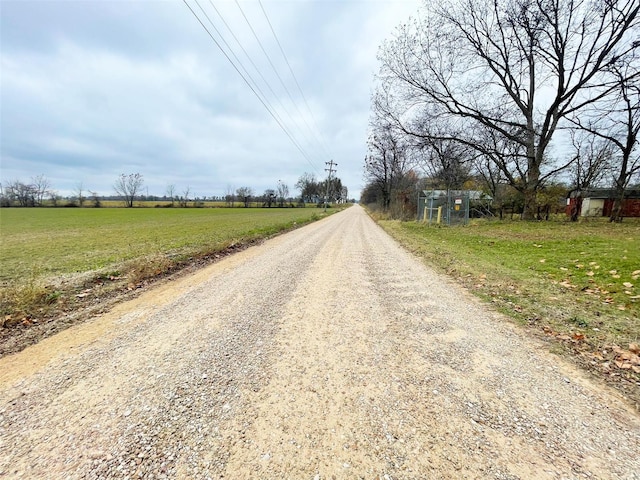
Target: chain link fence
x=448, y=207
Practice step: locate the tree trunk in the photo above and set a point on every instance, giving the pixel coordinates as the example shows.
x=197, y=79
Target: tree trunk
x=575, y=209
x=530, y=209
x=616, y=211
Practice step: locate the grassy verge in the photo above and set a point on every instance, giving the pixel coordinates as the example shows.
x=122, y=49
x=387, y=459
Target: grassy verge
x=578, y=283
x=53, y=258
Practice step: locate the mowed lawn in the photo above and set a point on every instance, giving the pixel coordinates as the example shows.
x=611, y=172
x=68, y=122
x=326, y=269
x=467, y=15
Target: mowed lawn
x=569, y=278
x=38, y=243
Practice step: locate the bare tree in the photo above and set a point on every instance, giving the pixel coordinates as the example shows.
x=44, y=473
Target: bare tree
x=269, y=197
x=446, y=162
x=332, y=186
x=484, y=65
x=244, y=194
x=41, y=186
x=128, y=187
x=386, y=162
x=229, y=196
x=283, y=192
x=54, y=197
x=22, y=193
x=171, y=192
x=615, y=120
x=78, y=193
x=95, y=199
x=309, y=187
x=592, y=163
x=344, y=194
x=184, y=199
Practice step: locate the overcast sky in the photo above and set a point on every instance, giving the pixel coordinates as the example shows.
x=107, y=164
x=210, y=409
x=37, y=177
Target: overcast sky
x=92, y=89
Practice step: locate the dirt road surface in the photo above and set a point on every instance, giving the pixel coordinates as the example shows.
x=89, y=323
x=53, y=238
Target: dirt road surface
x=325, y=353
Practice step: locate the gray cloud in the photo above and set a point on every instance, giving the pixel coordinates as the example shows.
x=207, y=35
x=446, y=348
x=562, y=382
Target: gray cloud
x=93, y=89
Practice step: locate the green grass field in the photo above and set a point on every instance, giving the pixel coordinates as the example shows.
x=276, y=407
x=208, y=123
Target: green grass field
x=571, y=278
x=50, y=258
x=49, y=242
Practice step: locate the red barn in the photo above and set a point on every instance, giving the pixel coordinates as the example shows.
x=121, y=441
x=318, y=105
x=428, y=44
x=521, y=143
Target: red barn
x=599, y=203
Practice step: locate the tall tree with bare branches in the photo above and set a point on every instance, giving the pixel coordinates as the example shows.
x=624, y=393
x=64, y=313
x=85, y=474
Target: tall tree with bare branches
x=517, y=68
x=387, y=160
x=128, y=187
x=614, y=119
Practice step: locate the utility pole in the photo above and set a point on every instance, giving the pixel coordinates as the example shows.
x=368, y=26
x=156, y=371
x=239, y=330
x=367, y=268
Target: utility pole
x=330, y=170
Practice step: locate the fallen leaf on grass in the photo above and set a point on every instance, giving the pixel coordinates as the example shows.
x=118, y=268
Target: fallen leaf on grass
x=621, y=307
x=628, y=284
x=597, y=356
x=542, y=260
x=590, y=274
x=627, y=359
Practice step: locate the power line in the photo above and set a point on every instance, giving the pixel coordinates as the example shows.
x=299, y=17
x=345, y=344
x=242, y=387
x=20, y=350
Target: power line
x=264, y=104
x=255, y=67
x=295, y=79
x=275, y=70
x=284, y=86
x=255, y=84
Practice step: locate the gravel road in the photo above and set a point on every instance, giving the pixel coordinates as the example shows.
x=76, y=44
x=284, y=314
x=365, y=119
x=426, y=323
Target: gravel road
x=325, y=353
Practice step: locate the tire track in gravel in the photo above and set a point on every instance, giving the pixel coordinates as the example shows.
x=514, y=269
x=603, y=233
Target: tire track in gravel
x=328, y=352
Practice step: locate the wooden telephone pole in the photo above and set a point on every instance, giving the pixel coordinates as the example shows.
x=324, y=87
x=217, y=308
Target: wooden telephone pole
x=330, y=170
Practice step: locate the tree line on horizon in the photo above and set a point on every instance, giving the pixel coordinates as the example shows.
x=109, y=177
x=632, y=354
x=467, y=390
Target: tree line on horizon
x=522, y=99
x=128, y=189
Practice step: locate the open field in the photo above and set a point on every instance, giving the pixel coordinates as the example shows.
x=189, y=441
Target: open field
x=43, y=248
x=577, y=282
x=48, y=242
x=88, y=203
